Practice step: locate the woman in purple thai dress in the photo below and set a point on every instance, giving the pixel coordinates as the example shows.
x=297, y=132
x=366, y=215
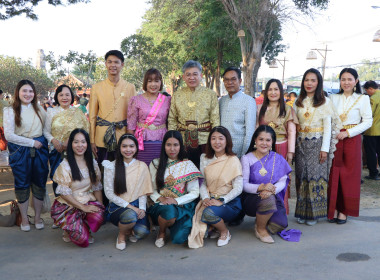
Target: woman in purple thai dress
x=265, y=178
x=147, y=116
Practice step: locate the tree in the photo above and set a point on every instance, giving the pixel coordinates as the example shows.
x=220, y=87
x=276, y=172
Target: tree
x=258, y=23
x=12, y=8
x=13, y=70
x=196, y=29
x=83, y=67
x=370, y=70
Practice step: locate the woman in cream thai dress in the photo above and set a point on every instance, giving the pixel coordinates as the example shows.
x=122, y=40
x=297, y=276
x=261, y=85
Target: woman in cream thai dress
x=316, y=140
x=220, y=191
x=79, y=209
x=354, y=110
x=127, y=183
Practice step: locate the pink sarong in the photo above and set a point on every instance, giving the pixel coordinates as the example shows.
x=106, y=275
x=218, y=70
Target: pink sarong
x=76, y=222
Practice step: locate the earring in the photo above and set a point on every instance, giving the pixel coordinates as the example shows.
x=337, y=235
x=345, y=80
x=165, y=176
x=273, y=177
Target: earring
x=354, y=88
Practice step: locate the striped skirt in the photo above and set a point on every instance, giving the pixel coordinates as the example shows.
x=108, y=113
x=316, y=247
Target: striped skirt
x=151, y=151
x=76, y=222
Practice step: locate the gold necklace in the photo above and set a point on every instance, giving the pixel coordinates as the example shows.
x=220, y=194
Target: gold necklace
x=343, y=117
x=262, y=171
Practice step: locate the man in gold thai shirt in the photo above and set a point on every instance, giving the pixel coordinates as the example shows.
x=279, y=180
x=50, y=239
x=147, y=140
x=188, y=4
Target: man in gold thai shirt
x=108, y=108
x=194, y=111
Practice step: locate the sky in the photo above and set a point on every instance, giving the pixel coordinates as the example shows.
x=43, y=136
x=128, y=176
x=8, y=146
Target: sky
x=347, y=28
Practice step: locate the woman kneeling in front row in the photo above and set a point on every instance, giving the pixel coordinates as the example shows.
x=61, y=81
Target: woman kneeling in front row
x=220, y=190
x=126, y=184
x=79, y=208
x=265, y=178
x=176, y=186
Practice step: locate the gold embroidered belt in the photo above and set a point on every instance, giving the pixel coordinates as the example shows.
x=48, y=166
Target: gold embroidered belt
x=200, y=127
x=151, y=127
x=348, y=126
x=311, y=129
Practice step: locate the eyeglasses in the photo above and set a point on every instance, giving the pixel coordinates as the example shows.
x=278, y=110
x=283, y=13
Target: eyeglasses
x=232, y=80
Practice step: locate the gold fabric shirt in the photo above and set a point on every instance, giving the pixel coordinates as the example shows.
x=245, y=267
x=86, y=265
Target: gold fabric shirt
x=66, y=121
x=109, y=102
x=271, y=115
x=200, y=105
x=374, y=130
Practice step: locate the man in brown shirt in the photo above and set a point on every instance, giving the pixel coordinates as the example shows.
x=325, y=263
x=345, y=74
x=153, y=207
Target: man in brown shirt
x=108, y=108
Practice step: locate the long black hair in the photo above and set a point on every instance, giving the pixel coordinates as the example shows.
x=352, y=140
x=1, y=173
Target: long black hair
x=262, y=128
x=120, y=182
x=353, y=72
x=75, y=172
x=160, y=180
x=319, y=98
x=281, y=101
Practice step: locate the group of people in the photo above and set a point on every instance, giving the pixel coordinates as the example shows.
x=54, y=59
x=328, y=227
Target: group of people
x=192, y=163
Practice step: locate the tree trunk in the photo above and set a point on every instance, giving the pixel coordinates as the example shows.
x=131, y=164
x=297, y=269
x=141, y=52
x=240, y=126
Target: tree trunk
x=217, y=72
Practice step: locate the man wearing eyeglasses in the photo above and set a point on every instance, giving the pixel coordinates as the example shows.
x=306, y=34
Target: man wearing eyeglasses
x=237, y=111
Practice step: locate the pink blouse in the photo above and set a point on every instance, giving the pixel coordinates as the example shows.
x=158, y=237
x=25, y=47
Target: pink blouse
x=138, y=110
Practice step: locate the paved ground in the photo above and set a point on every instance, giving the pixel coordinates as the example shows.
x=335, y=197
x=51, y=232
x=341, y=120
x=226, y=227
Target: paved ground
x=326, y=251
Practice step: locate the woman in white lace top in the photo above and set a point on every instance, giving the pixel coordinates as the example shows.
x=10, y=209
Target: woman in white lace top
x=28, y=150
x=127, y=183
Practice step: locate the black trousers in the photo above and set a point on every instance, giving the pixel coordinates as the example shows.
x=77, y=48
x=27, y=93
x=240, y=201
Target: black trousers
x=372, y=150
x=194, y=154
x=104, y=155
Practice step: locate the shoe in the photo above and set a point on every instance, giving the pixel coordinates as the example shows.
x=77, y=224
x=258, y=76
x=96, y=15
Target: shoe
x=132, y=239
x=223, y=242
x=160, y=242
x=91, y=239
x=311, y=222
x=54, y=226
x=266, y=239
x=301, y=221
x=341, y=222
x=121, y=246
x=372, y=178
x=39, y=226
x=66, y=238
x=213, y=234
x=25, y=228
x=333, y=220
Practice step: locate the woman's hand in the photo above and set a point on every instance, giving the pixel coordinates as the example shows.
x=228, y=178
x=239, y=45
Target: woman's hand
x=216, y=202
x=270, y=188
x=64, y=145
x=322, y=157
x=57, y=145
x=289, y=157
x=342, y=135
x=167, y=200
x=90, y=208
x=206, y=202
x=265, y=194
x=140, y=213
x=37, y=144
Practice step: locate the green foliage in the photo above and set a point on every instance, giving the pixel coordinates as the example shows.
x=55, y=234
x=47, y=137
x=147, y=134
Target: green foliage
x=12, y=8
x=83, y=66
x=175, y=31
x=370, y=70
x=306, y=6
x=13, y=70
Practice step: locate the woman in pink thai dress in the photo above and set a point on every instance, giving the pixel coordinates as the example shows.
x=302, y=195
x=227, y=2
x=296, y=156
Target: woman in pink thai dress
x=147, y=116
